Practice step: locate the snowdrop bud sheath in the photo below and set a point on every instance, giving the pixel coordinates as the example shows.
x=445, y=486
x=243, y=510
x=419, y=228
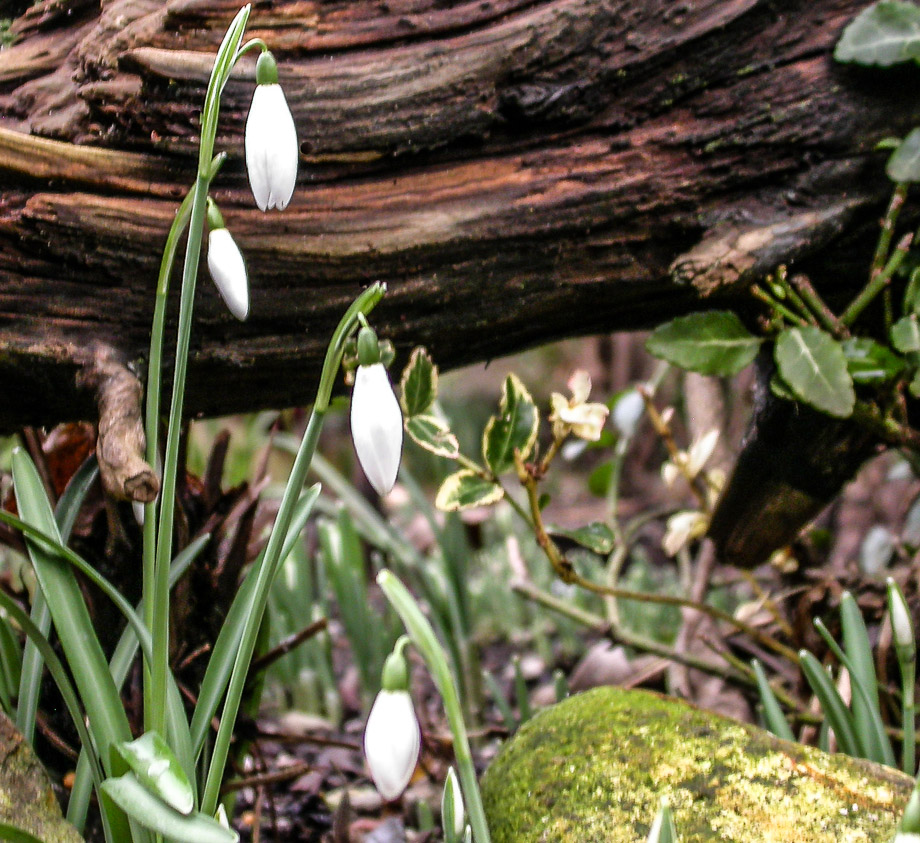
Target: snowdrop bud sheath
x=226, y=266
x=271, y=141
x=376, y=426
x=391, y=742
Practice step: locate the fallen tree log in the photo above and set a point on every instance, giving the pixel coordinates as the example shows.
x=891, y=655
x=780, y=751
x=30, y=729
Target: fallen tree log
x=515, y=170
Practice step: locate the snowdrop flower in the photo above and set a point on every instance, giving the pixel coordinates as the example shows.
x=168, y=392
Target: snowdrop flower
x=226, y=266
x=576, y=415
x=271, y=140
x=376, y=420
x=901, y=626
x=392, y=737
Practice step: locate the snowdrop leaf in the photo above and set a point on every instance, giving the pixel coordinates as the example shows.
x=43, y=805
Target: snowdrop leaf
x=513, y=429
x=432, y=434
x=712, y=343
x=813, y=365
x=466, y=489
x=140, y=804
x=419, y=384
x=157, y=768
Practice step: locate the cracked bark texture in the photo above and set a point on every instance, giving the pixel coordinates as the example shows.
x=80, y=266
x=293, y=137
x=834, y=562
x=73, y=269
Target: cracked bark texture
x=515, y=170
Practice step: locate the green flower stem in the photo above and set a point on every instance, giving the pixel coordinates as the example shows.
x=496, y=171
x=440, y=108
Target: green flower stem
x=426, y=642
x=877, y=282
x=223, y=64
x=152, y=422
x=272, y=558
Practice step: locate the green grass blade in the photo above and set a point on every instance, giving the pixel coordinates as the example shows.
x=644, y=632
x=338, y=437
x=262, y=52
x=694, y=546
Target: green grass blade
x=10, y=656
x=772, y=712
x=836, y=713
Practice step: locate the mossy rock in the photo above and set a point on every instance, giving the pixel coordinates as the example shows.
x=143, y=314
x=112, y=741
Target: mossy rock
x=594, y=768
x=27, y=802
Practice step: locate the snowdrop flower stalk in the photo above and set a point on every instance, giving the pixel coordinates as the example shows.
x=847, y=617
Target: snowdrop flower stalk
x=392, y=737
x=271, y=140
x=225, y=263
x=905, y=647
x=376, y=420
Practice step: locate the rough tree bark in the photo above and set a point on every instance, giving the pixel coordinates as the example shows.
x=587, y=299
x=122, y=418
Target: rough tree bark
x=515, y=170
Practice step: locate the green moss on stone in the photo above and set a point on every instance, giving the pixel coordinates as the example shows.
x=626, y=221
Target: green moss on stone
x=595, y=767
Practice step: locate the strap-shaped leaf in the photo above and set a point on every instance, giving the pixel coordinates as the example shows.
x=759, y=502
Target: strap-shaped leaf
x=140, y=804
x=772, y=713
x=418, y=384
x=157, y=768
x=811, y=362
x=432, y=434
x=714, y=342
x=835, y=711
x=513, y=429
x=466, y=489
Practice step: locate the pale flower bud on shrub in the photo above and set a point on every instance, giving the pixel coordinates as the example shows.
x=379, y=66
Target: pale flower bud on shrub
x=627, y=413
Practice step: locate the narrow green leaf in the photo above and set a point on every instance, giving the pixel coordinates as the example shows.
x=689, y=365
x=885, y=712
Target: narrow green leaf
x=68, y=505
x=433, y=435
x=812, y=364
x=513, y=429
x=663, y=829
x=157, y=769
x=418, y=384
x=466, y=489
x=836, y=713
x=772, y=712
x=905, y=334
x=85, y=658
x=14, y=834
x=140, y=804
x=883, y=34
x=712, y=343
x=596, y=536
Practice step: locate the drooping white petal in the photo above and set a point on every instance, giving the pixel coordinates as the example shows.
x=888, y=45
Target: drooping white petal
x=376, y=426
x=271, y=148
x=391, y=742
x=228, y=270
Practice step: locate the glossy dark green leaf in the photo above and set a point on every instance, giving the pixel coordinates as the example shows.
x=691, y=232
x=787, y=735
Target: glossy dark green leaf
x=871, y=362
x=419, y=384
x=597, y=536
x=904, y=163
x=883, y=34
x=905, y=334
x=157, y=769
x=513, y=429
x=811, y=362
x=466, y=489
x=714, y=342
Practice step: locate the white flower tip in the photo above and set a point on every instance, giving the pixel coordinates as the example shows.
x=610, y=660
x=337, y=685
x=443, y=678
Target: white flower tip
x=225, y=263
x=376, y=427
x=392, y=740
x=272, y=151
